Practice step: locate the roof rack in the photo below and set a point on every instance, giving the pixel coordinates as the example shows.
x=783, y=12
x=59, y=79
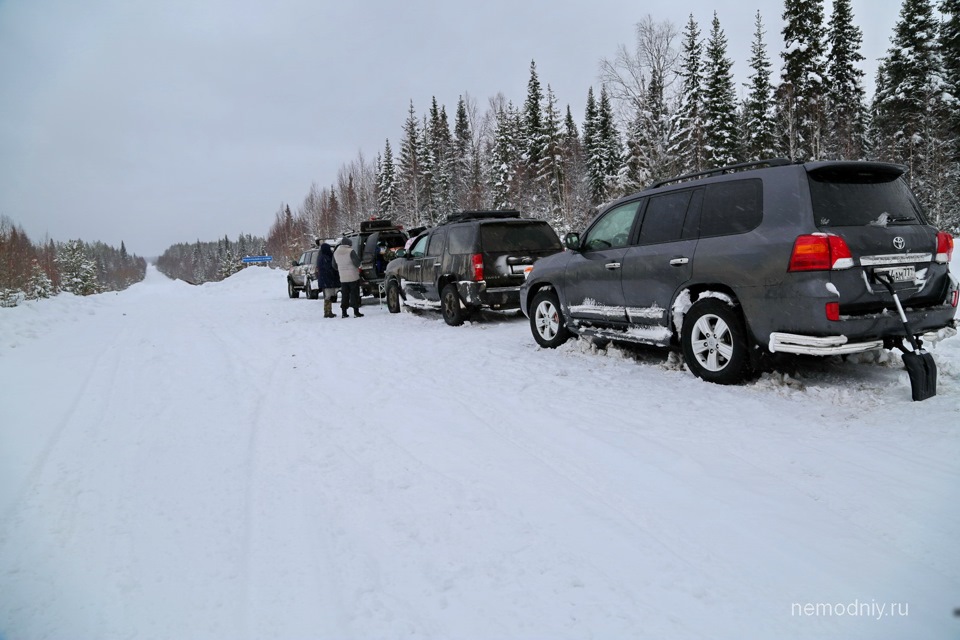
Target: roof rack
x=479, y=215
x=769, y=162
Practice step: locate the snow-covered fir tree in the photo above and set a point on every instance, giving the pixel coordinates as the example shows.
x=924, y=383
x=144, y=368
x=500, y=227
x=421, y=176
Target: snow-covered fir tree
x=846, y=113
x=759, y=121
x=39, y=285
x=78, y=272
x=550, y=171
x=801, y=97
x=601, y=143
x=721, y=134
x=532, y=142
x=506, y=158
x=911, y=123
x=687, y=142
x=386, y=183
x=409, y=172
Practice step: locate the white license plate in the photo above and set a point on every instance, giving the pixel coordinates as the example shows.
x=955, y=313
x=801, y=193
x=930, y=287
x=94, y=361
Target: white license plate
x=898, y=274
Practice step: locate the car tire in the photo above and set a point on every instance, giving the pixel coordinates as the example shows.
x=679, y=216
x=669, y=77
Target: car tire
x=451, y=307
x=313, y=294
x=714, y=342
x=547, y=322
x=292, y=291
x=393, y=296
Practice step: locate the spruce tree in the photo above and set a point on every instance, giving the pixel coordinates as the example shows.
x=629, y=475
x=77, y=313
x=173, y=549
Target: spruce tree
x=801, y=95
x=386, y=182
x=687, y=142
x=506, y=158
x=846, y=114
x=950, y=51
x=911, y=121
x=759, y=125
x=533, y=142
x=78, y=272
x=409, y=171
x=462, y=152
x=719, y=102
x=550, y=170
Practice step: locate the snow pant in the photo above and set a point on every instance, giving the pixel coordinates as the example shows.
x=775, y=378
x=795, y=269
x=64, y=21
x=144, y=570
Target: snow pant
x=350, y=295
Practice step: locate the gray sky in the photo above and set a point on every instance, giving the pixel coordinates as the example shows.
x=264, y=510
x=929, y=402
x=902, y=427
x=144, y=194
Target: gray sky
x=163, y=122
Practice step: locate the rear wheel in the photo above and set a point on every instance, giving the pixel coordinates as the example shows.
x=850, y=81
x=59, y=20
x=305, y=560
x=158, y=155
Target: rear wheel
x=393, y=297
x=546, y=322
x=450, y=306
x=714, y=342
x=292, y=291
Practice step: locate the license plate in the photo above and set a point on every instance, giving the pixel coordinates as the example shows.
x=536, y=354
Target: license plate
x=897, y=274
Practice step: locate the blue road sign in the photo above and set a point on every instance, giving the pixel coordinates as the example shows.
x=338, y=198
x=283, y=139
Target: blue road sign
x=257, y=259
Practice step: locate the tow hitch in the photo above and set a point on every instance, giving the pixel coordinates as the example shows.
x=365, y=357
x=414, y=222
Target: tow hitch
x=919, y=363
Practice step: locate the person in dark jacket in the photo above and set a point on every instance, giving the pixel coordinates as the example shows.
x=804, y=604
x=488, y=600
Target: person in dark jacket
x=347, y=262
x=328, y=279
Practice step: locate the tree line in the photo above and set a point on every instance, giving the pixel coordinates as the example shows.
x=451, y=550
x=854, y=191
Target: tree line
x=201, y=262
x=667, y=106
x=31, y=271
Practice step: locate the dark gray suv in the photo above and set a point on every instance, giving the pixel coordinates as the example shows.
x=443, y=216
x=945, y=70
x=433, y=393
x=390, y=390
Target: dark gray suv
x=741, y=262
x=476, y=259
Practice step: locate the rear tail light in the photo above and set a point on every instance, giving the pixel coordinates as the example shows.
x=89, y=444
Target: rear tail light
x=944, y=247
x=820, y=252
x=477, y=260
x=955, y=299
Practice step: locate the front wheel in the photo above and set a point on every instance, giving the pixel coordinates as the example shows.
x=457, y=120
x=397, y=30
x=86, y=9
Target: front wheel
x=546, y=321
x=714, y=342
x=450, y=306
x=292, y=291
x=393, y=297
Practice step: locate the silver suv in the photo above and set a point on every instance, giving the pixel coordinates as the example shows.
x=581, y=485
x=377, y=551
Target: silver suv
x=745, y=261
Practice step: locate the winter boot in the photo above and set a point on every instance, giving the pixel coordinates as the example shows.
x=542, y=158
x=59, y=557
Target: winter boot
x=356, y=312
x=343, y=314
x=328, y=309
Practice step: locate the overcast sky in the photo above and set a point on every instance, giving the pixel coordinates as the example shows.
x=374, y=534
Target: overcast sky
x=163, y=122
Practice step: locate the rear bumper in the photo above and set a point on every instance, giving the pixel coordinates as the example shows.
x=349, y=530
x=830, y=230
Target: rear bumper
x=479, y=295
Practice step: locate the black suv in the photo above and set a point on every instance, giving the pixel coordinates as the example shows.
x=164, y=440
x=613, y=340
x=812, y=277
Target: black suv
x=302, y=274
x=476, y=259
x=748, y=260
x=376, y=244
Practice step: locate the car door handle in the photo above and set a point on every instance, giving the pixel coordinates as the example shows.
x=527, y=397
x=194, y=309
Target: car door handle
x=612, y=265
x=436, y=264
x=679, y=262
x=416, y=266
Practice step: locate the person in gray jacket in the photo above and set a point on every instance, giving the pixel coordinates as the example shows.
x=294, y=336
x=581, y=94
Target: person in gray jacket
x=347, y=262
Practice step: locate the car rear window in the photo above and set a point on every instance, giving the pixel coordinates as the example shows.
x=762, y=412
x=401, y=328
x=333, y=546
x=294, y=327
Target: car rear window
x=460, y=240
x=857, y=199
x=535, y=236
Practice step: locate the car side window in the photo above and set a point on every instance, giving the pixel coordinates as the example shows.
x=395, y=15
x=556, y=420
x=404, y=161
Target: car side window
x=460, y=240
x=613, y=229
x=435, y=248
x=732, y=207
x=663, y=220
x=419, y=248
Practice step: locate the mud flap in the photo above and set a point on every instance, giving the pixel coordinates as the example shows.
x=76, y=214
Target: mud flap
x=923, y=374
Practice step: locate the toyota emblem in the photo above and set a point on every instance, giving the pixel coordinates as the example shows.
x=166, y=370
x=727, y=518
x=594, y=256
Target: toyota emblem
x=899, y=243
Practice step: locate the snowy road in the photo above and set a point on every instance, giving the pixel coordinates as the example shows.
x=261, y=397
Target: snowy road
x=221, y=462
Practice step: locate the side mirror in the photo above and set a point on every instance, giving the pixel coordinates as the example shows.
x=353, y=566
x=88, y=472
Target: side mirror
x=400, y=253
x=572, y=241
x=294, y=263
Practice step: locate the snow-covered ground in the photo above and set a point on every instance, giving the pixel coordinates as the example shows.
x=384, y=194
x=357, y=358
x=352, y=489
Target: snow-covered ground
x=222, y=462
